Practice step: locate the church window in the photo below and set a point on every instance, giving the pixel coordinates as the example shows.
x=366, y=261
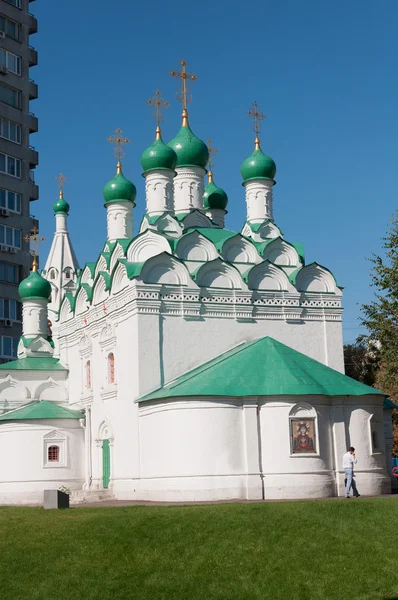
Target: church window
x=375, y=429
x=111, y=368
x=88, y=374
x=52, y=274
x=53, y=454
x=67, y=274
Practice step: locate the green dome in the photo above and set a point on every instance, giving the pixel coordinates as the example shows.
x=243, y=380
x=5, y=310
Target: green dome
x=61, y=207
x=258, y=166
x=119, y=189
x=34, y=286
x=158, y=156
x=214, y=197
x=190, y=150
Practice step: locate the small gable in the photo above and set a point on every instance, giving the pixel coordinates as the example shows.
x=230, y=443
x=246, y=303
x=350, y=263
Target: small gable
x=194, y=246
x=315, y=278
x=146, y=245
x=196, y=219
x=165, y=269
x=239, y=249
x=267, y=276
x=218, y=274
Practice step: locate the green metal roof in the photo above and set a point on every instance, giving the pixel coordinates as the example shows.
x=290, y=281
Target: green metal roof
x=41, y=410
x=216, y=235
x=132, y=269
x=389, y=404
x=30, y=363
x=263, y=367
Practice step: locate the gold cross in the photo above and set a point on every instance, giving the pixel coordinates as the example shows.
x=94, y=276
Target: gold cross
x=33, y=239
x=183, y=75
x=210, y=162
x=61, y=179
x=257, y=118
x=158, y=104
x=118, y=141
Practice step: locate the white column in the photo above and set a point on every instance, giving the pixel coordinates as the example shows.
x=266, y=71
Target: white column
x=254, y=487
x=217, y=215
x=188, y=189
x=340, y=443
x=119, y=220
x=159, y=191
x=259, y=200
x=88, y=453
x=34, y=317
x=61, y=223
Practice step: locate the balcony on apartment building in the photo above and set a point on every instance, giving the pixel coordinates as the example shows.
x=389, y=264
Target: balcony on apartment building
x=33, y=123
x=33, y=189
x=32, y=56
x=32, y=24
x=33, y=90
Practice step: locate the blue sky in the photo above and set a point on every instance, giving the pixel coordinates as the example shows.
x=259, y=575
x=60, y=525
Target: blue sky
x=324, y=73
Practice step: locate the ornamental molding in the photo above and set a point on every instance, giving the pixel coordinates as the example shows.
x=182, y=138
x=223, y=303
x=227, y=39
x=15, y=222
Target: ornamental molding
x=109, y=392
x=85, y=345
x=156, y=299
x=107, y=336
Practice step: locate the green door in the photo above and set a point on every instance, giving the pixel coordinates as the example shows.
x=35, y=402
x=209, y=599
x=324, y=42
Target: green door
x=106, y=464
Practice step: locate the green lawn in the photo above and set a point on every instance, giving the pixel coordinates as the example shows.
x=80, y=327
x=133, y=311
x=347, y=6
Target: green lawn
x=284, y=550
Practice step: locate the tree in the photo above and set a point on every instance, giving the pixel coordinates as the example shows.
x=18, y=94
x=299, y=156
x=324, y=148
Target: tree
x=380, y=317
x=361, y=362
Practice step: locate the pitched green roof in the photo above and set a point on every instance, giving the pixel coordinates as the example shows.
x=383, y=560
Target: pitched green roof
x=41, y=410
x=30, y=363
x=91, y=267
x=389, y=404
x=263, y=367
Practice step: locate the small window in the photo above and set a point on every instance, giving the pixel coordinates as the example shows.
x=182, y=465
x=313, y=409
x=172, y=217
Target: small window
x=16, y=3
x=53, y=454
x=111, y=368
x=88, y=374
x=67, y=274
x=375, y=432
x=52, y=274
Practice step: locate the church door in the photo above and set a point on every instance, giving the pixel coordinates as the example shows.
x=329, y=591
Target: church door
x=106, y=464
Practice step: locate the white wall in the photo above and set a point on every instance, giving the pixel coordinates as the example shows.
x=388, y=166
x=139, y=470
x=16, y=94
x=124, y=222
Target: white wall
x=24, y=474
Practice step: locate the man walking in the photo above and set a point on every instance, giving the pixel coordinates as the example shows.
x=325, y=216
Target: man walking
x=349, y=461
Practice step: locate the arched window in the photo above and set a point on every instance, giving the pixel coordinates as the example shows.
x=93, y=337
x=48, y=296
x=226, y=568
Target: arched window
x=67, y=274
x=53, y=454
x=52, y=274
x=88, y=374
x=111, y=368
x=376, y=434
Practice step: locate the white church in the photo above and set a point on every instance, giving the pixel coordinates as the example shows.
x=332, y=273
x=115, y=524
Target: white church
x=186, y=362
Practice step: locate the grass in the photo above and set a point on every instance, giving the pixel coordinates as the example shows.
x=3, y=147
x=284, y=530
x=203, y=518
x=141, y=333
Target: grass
x=292, y=551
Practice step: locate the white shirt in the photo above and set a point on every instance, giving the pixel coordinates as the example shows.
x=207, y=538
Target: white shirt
x=349, y=460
